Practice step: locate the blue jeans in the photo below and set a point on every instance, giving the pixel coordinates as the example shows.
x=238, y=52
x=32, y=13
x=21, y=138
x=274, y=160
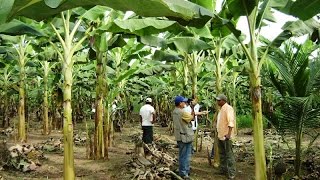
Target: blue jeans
x=184, y=158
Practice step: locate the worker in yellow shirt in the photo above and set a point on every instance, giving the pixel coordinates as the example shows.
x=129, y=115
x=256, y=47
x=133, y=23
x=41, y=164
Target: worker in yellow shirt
x=225, y=128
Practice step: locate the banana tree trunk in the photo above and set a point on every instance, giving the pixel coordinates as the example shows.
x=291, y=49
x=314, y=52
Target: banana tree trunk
x=234, y=91
x=69, y=46
x=45, y=99
x=218, y=87
x=21, y=110
x=106, y=126
x=255, y=85
x=99, y=135
x=260, y=160
x=67, y=119
x=194, y=75
x=185, y=76
x=234, y=96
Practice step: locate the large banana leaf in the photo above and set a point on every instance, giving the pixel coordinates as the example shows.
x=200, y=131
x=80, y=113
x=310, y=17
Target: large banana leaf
x=6, y=6
x=168, y=56
x=154, y=41
x=189, y=44
x=16, y=27
x=154, y=68
x=143, y=27
x=187, y=12
x=305, y=9
x=241, y=7
x=209, y=4
x=300, y=28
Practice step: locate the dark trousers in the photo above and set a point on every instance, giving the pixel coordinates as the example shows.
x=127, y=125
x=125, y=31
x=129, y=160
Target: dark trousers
x=227, y=161
x=147, y=136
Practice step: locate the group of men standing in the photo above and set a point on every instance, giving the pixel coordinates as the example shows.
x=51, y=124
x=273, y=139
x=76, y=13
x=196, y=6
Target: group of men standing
x=185, y=122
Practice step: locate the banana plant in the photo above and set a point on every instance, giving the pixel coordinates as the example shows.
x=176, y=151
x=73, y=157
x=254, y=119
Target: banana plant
x=19, y=51
x=46, y=70
x=98, y=51
x=69, y=46
x=46, y=57
x=22, y=52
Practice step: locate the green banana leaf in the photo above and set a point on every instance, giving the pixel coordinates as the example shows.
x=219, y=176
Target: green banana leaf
x=153, y=41
x=187, y=12
x=241, y=7
x=305, y=9
x=189, y=44
x=300, y=28
x=16, y=27
x=6, y=6
x=209, y=4
x=168, y=56
x=143, y=27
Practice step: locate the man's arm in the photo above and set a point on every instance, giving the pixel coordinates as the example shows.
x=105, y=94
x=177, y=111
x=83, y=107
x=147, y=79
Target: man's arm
x=201, y=113
x=228, y=136
x=153, y=117
x=231, y=122
x=187, y=117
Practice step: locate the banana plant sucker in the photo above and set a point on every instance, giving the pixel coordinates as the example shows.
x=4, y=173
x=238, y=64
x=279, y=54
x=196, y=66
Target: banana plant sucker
x=5, y=84
x=22, y=53
x=69, y=45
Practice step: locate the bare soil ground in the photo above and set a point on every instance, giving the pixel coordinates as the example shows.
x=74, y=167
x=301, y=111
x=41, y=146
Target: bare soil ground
x=115, y=167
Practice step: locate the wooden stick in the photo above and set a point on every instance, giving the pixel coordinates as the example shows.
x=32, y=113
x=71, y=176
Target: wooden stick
x=174, y=174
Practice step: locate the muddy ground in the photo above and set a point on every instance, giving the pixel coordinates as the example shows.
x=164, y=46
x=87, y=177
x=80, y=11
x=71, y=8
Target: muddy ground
x=115, y=167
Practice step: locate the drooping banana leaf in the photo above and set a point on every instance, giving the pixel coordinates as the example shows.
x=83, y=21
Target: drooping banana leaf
x=187, y=13
x=189, y=44
x=305, y=9
x=16, y=27
x=168, y=56
x=143, y=27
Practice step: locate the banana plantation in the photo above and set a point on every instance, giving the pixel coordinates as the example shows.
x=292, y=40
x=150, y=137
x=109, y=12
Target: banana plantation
x=74, y=74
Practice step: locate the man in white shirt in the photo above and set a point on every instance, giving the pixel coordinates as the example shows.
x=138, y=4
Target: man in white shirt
x=148, y=117
x=196, y=109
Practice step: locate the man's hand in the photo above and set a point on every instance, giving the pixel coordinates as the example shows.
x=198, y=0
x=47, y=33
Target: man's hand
x=228, y=136
x=205, y=112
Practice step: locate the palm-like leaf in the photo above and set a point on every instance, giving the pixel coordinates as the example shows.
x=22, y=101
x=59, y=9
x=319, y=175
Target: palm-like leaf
x=293, y=66
x=299, y=75
x=299, y=112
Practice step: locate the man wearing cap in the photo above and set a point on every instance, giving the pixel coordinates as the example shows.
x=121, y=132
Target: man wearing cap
x=148, y=117
x=225, y=129
x=183, y=134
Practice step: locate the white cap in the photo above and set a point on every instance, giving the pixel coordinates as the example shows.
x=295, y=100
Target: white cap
x=149, y=100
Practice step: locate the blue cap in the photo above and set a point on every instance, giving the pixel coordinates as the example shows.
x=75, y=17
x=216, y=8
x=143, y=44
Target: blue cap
x=180, y=99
